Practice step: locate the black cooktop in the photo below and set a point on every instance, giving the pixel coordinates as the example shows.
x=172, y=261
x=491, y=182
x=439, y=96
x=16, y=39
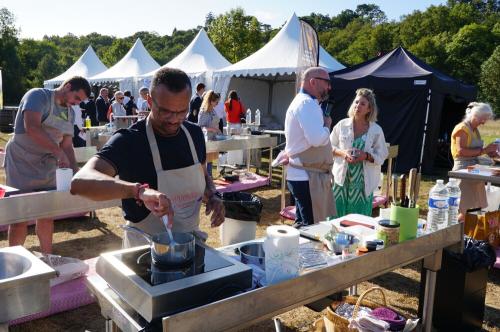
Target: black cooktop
x=154, y=274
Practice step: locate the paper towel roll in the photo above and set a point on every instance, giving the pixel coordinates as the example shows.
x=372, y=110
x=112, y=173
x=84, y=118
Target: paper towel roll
x=282, y=253
x=63, y=178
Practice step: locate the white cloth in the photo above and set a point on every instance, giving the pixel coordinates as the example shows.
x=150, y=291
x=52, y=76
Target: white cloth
x=303, y=129
x=342, y=137
x=365, y=323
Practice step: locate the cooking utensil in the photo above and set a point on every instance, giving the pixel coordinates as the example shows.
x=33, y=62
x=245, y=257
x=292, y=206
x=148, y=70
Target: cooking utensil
x=394, y=189
x=402, y=190
x=171, y=237
x=252, y=253
x=411, y=190
x=163, y=251
x=417, y=187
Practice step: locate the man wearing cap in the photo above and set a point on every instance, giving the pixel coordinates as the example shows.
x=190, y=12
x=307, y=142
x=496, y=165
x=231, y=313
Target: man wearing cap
x=42, y=141
x=160, y=163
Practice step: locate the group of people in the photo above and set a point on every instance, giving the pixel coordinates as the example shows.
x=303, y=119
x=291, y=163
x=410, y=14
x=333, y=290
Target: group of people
x=160, y=166
x=331, y=174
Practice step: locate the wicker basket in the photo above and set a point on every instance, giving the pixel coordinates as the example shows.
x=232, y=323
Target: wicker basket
x=333, y=322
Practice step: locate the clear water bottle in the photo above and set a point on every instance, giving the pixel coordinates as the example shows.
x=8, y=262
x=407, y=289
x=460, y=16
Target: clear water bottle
x=453, y=200
x=437, y=217
x=257, y=117
x=248, y=117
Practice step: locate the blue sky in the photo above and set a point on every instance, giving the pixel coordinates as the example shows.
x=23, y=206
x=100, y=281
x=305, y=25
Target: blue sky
x=37, y=18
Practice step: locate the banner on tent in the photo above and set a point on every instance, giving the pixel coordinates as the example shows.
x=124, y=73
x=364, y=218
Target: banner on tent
x=308, y=55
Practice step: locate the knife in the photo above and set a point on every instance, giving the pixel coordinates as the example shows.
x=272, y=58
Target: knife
x=417, y=187
x=411, y=190
x=402, y=190
x=394, y=189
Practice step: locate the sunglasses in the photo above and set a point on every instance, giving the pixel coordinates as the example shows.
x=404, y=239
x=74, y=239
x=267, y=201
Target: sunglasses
x=323, y=79
x=120, y=97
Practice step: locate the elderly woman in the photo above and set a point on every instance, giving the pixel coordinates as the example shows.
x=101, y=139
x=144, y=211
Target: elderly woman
x=117, y=108
x=359, y=150
x=466, y=147
x=209, y=122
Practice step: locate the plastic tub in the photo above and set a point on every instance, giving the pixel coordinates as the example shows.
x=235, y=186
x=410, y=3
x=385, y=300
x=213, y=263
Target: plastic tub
x=493, y=198
x=234, y=231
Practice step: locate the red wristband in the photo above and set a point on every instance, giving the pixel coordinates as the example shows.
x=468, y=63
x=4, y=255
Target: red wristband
x=138, y=187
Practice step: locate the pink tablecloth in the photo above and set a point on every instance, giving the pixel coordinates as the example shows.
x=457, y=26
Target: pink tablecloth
x=67, y=296
x=254, y=181
x=32, y=222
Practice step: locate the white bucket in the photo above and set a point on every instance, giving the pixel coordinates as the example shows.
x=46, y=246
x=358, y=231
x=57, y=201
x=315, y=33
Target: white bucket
x=493, y=198
x=234, y=231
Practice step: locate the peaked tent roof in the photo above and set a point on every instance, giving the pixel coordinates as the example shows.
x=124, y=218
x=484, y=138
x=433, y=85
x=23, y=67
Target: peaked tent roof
x=278, y=56
x=198, y=57
x=135, y=63
x=87, y=66
x=401, y=64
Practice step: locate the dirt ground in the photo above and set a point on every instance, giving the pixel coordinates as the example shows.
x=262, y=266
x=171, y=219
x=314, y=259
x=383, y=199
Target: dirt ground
x=85, y=238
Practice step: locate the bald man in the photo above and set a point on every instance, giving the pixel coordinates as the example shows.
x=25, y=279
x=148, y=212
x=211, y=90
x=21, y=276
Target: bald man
x=309, y=151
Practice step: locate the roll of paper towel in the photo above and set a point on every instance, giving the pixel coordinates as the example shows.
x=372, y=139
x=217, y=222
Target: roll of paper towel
x=282, y=253
x=63, y=178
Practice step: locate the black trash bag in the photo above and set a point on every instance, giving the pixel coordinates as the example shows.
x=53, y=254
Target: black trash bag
x=477, y=254
x=242, y=206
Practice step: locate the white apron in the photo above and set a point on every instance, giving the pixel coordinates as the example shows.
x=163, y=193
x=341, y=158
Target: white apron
x=28, y=165
x=183, y=186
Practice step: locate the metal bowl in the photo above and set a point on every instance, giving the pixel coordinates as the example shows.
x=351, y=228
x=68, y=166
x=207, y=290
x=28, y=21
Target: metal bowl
x=253, y=253
x=12, y=265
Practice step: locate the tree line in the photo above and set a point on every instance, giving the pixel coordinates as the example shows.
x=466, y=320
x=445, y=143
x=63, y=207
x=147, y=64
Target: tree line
x=460, y=38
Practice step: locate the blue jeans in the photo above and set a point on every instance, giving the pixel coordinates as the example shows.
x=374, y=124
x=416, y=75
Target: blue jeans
x=303, y=203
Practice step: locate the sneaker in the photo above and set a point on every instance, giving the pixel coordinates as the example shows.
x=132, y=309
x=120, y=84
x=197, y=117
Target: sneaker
x=297, y=225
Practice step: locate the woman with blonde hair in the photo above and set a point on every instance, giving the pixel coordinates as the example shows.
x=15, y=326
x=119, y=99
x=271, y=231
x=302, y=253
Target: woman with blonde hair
x=359, y=150
x=466, y=147
x=209, y=122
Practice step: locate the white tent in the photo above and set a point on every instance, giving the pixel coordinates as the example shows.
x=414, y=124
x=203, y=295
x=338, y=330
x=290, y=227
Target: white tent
x=87, y=66
x=199, y=59
x=135, y=63
x=266, y=79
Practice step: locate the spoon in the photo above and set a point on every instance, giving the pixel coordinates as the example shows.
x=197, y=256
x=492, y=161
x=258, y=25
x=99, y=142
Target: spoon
x=170, y=235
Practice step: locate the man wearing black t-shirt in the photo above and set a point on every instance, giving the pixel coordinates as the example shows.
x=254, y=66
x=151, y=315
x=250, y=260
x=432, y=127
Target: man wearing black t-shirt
x=161, y=166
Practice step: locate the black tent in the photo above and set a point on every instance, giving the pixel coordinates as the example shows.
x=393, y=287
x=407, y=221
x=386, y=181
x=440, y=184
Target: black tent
x=418, y=105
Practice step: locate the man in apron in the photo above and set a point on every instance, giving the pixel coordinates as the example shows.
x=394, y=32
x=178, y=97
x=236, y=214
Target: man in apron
x=309, y=150
x=160, y=163
x=42, y=141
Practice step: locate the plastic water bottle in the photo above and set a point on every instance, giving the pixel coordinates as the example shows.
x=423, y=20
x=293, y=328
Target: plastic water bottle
x=248, y=117
x=437, y=217
x=453, y=200
x=257, y=117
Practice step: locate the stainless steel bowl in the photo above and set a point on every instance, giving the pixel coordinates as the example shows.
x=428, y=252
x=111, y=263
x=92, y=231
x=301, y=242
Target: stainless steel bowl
x=253, y=253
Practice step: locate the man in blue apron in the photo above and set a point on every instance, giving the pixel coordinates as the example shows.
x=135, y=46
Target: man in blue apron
x=160, y=163
x=42, y=141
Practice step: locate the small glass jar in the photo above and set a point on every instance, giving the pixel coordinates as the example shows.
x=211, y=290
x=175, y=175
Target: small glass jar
x=388, y=231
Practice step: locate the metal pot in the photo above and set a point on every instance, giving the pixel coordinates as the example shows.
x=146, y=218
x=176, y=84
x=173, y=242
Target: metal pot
x=162, y=252
x=253, y=253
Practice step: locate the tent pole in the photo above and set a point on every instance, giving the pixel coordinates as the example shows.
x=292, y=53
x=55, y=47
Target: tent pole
x=425, y=130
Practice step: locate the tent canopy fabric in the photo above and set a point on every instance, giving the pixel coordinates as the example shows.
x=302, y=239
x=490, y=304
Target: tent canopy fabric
x=87, y=66
x=135, y=63
x=413, y=100
x=198, y=57
x=279, y=56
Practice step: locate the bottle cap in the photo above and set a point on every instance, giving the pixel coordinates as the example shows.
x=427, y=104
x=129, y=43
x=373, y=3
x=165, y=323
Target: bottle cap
x=388, y=223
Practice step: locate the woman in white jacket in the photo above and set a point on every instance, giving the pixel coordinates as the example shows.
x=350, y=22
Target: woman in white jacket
x=359, y=150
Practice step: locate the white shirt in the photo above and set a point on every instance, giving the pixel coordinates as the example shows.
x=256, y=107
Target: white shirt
x=342, y=137
x=142, y=105
x=219, y=110
x=118, y=109
x=303, y=129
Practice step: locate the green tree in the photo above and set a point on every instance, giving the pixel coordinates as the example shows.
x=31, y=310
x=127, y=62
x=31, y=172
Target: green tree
x=10, y=64
x=468, y=49
x=235, y=34
x=371, y=12
x=489, y=83
x=113, y=54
